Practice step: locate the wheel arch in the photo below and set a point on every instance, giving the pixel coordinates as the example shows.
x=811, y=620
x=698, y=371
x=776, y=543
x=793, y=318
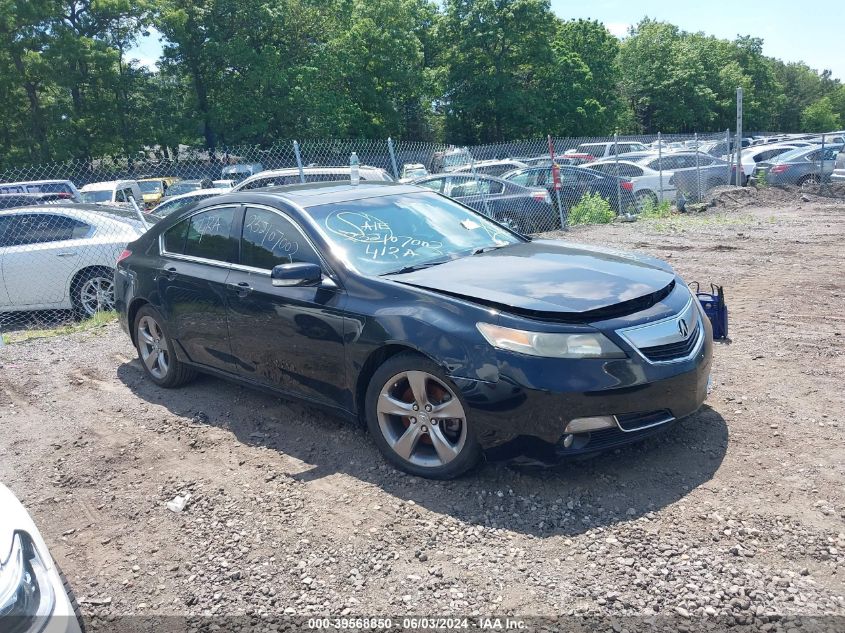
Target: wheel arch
x=131, y=311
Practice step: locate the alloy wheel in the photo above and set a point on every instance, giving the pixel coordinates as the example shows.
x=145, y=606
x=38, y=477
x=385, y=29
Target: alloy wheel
x=153, y=347
x=422, y=419
x=97, y=295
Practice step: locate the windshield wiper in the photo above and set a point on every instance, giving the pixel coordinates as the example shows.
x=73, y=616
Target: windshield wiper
x=487, y=249
x=415, y=267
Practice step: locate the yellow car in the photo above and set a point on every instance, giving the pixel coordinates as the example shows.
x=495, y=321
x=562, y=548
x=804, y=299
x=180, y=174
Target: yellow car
x=153, y=189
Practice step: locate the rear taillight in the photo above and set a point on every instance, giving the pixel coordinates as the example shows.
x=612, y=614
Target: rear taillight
x=779, y=169
x=541, y=196
x=126, y=253
x=627, y=185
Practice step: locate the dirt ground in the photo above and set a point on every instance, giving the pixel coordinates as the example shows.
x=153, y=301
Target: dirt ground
x=735, y=516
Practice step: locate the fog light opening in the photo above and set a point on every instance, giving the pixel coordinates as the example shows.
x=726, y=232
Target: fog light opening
x=567, y=440
x=585, y=425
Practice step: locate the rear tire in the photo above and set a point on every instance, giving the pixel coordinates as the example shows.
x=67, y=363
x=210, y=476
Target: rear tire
x=71, y=596
x=434, y=440
x=642, y=197
x=155, y=351
x=808, y=181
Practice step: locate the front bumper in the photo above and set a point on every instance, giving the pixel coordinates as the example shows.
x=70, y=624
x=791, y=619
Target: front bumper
x=535, y=399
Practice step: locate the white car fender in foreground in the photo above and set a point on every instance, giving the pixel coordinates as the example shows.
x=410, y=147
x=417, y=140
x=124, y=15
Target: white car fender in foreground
x=16, y=522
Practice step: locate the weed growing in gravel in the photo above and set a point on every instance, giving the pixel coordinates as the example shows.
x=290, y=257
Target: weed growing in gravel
x=656, y=210
x=97, y=321
x=591, y=209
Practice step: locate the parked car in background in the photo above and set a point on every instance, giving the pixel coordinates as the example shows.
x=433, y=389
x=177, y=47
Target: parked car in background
x=240, y=171
x=450, y=159
x=444, y=331
x=491, y=167
x=187, y=186
x=575, y=183
x=755, y=154
x=290, y=176
x=12, y=200
x=412, y=171
x=646, y=180
x=174, y=203
x=65, y=188
x=838, y=175
x=154, y=189
x=223, y=183
x=34, y=594
x=62, y=256
x=600, y=150
x=801, y=166
x=523, y=209
x=112, y=192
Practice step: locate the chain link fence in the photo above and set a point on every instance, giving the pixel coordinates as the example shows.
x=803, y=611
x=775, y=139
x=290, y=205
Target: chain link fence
x=63, y=226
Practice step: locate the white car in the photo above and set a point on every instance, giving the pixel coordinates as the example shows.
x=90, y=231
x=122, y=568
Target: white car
x=602, y=150
x=34, y=597
x=290, y=176
x=63, y=187
x=172, y=204
x=643, y=174
x=62, y=257
x=761, y=154
x=113, y=192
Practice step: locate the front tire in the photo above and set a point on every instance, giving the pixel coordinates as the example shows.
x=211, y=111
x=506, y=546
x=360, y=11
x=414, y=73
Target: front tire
x=418, y=419
x=155, y=350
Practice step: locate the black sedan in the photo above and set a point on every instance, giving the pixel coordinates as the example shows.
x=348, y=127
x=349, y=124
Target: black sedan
x=443, y=331
x=575, y=183
x=523, y=209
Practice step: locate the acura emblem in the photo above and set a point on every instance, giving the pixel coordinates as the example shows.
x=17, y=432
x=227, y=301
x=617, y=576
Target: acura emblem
x=682, y=328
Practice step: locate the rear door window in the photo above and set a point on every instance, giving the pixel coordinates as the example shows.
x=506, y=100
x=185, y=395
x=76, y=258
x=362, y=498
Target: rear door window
x=41, y=228
x=209, y=235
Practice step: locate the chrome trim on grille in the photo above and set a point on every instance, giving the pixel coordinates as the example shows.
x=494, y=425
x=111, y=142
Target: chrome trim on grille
x=666, y=420
x=665, y=332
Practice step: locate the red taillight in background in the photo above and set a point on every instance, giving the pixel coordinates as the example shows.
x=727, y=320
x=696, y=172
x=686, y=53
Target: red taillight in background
x=541, y=196
x=126, y=253
x=627, y=185
x=779, y=169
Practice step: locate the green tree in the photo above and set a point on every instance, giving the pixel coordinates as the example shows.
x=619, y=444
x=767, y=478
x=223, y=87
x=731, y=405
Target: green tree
x=820, y=117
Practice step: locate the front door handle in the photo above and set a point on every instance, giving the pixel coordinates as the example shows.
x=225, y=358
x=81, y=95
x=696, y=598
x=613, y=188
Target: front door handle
x=67, y=254
x=241, y=288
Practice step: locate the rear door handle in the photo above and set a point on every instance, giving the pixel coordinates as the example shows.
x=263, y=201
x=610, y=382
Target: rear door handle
x=168, y=273
x=241, y=288
x=68, y=254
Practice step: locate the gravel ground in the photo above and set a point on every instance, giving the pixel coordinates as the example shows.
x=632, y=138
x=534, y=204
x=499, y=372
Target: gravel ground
x=734, y=517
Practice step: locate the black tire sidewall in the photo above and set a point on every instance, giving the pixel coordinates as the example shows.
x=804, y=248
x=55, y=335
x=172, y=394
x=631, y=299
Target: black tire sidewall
x=409, y=361
x=172, y=369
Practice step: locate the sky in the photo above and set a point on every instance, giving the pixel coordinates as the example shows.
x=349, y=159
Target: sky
x=812, y=33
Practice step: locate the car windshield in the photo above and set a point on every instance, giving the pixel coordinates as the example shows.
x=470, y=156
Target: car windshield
x=458, y=158
x=150, y=186
x=183, y=187
x=104, y=195
x=383, y=235
x=791, y=155
x=415, y=173
x=166, y=208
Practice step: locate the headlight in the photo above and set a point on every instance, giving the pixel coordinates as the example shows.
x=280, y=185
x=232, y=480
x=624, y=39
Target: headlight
x=26, y=595
x=550, y=345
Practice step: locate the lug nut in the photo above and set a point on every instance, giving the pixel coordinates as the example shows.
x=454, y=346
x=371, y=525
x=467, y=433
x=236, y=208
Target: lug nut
x=416, y=407
x=434, y=422
x=424, y=429
x=428, y=407
x=413, y=420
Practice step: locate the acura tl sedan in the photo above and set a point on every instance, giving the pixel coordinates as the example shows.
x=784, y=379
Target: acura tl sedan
x=447, y=334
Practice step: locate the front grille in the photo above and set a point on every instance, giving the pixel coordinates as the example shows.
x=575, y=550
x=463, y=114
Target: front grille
x=610, y=438
x=672, y=351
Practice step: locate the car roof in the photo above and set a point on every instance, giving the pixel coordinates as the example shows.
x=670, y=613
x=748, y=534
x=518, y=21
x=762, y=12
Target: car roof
x=87, y=212
x=35, y=182
x=318, y=193
x=193, y=194
x=106, y=184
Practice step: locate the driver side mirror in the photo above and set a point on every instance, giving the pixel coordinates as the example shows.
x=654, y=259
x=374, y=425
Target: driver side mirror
x=298, y=274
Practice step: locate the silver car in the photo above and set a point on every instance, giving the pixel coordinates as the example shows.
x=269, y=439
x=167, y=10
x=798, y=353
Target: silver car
x=801, y=166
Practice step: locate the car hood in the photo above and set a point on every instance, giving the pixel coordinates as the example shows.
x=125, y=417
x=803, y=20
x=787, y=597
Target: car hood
x=549, y=279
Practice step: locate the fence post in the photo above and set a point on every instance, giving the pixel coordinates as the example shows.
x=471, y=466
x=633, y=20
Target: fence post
x=697, y=169
x=299, y=162
x=393, y=158
x=660, y=162
x=2, y=342
x=556, y=178
x=618, y=181
x=730, y=156
x=821, y=166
